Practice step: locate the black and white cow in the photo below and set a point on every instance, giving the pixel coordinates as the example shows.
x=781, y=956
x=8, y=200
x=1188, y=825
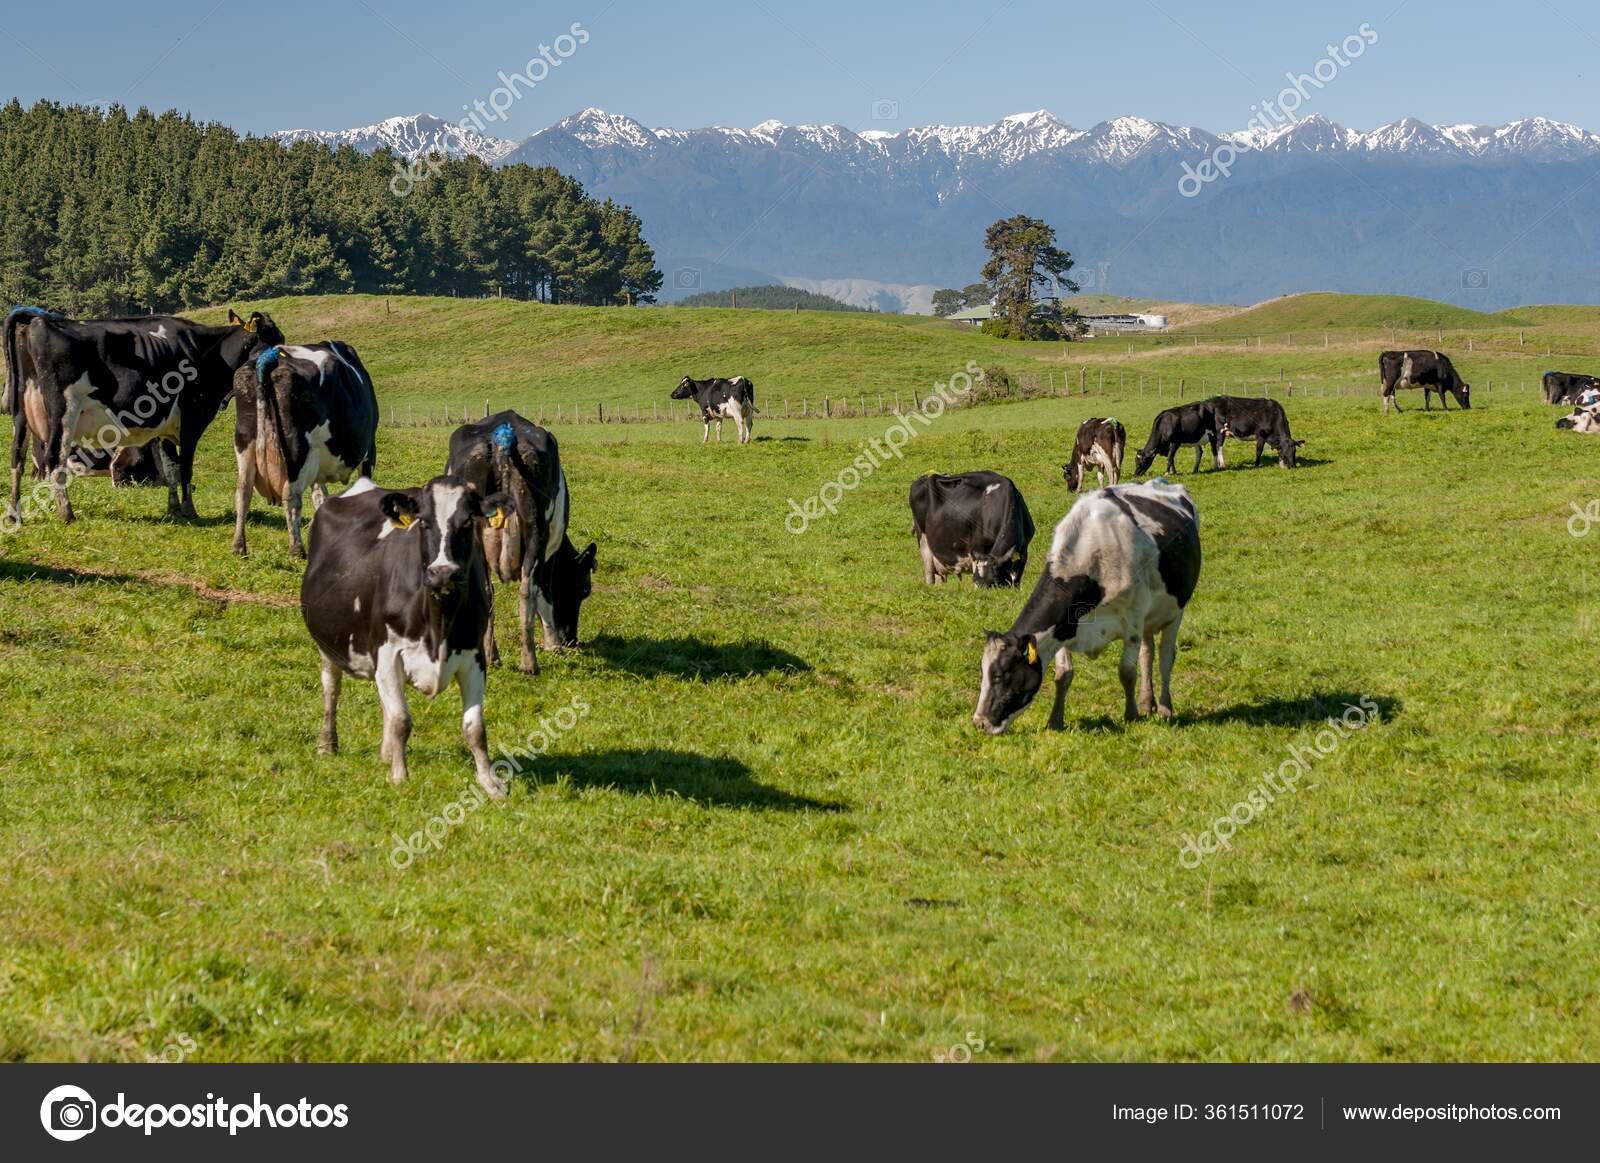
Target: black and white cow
x=1431, y=371
x=973, y=522
x=1259, y=418
x=1101, y=441
x=721, y=400
x=1123, y=564
x=1194, y=424
x=307, y=417
x=507, y=454
x=117, y=382
x=1568, y=387
x=1582, y=419
x=394, y=591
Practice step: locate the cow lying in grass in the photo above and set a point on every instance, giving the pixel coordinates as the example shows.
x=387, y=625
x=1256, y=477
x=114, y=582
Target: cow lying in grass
x=1123, y=564
x=1585, y=420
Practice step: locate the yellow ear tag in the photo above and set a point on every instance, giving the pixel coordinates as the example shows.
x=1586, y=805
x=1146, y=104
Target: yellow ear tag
x=1016, y=555
x=403, y=520
x=498, y=519
x=1033, y=654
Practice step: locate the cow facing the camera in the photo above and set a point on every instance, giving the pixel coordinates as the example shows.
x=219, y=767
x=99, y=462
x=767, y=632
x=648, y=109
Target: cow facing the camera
x=394, y=591
x=1123, y=564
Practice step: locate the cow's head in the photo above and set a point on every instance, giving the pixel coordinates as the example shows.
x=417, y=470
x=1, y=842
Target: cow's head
x=684, y=390
x=1072, y=473
x=1464, y=395
x=1286, y=452
x=1141, y=461
x=1013, y=672
x=443, y=520
x=249, y=334
x=997, y=571
x=566, y=583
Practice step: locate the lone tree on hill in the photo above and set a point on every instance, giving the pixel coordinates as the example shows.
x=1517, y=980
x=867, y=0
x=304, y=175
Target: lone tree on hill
x=1023, y=256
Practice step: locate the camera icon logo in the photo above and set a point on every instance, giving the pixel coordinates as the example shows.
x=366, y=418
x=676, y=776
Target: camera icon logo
x=686, y=279
x=68, y=1113
x=885, y=109
x=1475, y=280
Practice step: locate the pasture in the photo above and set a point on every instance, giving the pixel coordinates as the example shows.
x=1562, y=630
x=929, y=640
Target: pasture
x=772, y=831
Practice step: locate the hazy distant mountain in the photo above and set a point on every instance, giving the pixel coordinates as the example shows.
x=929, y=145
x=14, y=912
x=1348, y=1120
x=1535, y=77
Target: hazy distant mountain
x=409, y=137
x=1487, y=216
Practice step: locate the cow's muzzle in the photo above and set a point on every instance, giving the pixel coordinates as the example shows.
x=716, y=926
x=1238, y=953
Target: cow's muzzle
x=442, y=578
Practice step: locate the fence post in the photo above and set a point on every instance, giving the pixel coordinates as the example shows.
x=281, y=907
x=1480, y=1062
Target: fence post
x=486, y=409
x=599, y=413
x=827, y=406
x=896, y=404
x=558, y=413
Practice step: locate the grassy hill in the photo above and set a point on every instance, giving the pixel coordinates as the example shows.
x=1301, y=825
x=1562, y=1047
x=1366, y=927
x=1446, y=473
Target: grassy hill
x=767, y=298
x=1330, y=311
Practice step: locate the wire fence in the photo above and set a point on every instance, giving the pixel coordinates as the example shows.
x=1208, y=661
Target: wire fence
x=1071, y=383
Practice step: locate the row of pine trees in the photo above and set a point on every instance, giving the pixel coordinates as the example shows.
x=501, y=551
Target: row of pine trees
x=107, y=213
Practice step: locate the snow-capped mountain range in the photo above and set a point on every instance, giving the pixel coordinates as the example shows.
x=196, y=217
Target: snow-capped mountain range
x=886, y=215
x=1008, y=141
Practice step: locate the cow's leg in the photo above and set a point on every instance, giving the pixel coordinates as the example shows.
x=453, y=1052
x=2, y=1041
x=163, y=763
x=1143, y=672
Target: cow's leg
x=1217, y=460
x=705, y=435
x=19, y=452
x=1169, y=651
x=1198, y=449
x=319, y=496
x=391, y=678
x=292, y=502
x=1261, y=442
x=491, y=649
x=1128, y=672
x=246, y=461
x=1444, y=399
x=1172, y=460
x=1427, y=399
x=1147, y=650
x=527, y=616
x=185, y=450
x=749, y=426
x=332, y=679
x=719, y=429
x=1063, y=681
x=169, y=469
x=470, y=678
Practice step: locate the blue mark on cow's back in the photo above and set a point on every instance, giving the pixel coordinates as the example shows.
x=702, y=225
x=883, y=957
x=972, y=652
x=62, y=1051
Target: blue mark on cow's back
x=265, y=360
x=504, y=436
x=36, y=312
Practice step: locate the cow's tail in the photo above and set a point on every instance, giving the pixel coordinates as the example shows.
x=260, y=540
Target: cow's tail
x=16, y=318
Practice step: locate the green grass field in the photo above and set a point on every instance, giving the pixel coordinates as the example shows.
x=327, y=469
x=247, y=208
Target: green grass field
x=774, y=833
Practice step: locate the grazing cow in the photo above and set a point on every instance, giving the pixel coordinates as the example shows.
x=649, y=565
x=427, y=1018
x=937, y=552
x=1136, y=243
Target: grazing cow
x=1431, y=371
x=507, y=454
x=1262, y=419
x=1123, y=564
x=1567, y=387
x=307, y=417
x=1582, y=419
x=118, y=382
x=1101, y=442
x=971, y=521
x=721, y=400
x=1194, y=424
x=394, y=591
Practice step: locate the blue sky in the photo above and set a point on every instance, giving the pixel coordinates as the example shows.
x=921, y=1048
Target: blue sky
x=330, y=64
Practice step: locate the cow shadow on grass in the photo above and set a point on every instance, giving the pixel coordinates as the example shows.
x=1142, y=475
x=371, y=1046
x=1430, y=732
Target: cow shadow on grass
x=1299, y=712
x=255, y=519
x=27, y=571
x=712, y=780
x=783, y=440
x=693, y=659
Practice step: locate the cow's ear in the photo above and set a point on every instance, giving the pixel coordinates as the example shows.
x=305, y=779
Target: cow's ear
x=232, y=318
x=495, y=509
x=1299, y=443
x=588, y=555
x=400, y=509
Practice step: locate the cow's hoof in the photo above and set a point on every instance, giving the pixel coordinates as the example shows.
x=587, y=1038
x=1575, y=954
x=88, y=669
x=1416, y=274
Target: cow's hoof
x=528, y=667
x=1165, y=712
x=297, y=552
x=239, y=548
x=494, y=788
x=327, y=747
x=398, y=777
x=1056, y=723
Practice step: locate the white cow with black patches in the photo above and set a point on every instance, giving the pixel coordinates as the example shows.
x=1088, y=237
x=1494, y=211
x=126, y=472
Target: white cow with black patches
x=1123, y=564
x=395, y=591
